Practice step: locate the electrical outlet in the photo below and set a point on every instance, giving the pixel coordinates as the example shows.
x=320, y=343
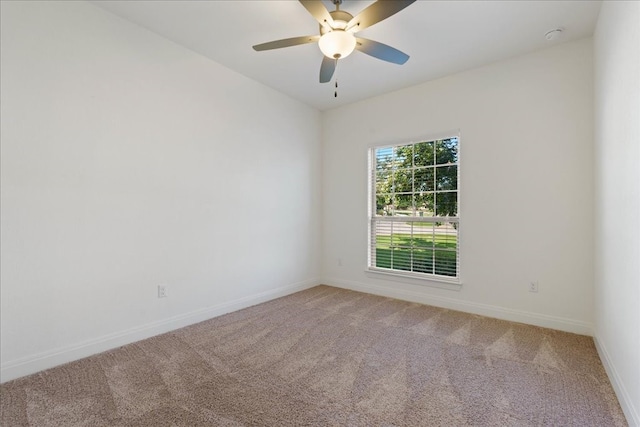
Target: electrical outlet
x=533, y=287
x=162, y=291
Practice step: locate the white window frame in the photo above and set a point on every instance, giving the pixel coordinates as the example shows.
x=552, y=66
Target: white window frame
x=433, y=280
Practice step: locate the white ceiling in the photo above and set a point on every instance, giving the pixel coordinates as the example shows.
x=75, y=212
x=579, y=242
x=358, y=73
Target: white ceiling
x=441, y=37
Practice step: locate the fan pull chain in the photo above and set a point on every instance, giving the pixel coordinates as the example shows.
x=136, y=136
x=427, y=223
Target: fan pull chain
x=335, y=93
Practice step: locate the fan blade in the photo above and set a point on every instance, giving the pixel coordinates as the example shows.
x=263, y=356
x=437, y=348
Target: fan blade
x=327, y=69
x=319, y=12
x=382, y=9
x=294, y=41
x=381, y=51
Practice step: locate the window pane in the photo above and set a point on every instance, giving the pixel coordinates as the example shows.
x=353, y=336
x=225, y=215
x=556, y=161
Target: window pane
x=423, y=180
x=423, y=154
x=447, y=151
x=422, y=261
x=446, y=247
x=384, y=204
x=384, y=167
x=445, y=262
x=447, y=178
x=446, y=235
x=383, y=257
x=401, y=247
x=403, y=156
x=384, y=177
x=384, y=158
x=401, y=259
x=402, y=181
x=383, y=232
x=423, y=235
x=447, y=204
x=425, y=204
x=402, y=234
x=404, y=204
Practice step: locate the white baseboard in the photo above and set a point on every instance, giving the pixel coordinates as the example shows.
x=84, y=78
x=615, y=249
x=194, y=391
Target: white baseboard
x=545, y=321
x=627, y=404
x=38, y=362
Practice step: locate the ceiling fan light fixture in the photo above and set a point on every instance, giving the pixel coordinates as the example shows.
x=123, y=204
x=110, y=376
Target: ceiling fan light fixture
x=337, y=44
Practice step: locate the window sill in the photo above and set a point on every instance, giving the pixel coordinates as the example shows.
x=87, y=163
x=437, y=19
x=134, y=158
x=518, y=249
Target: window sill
x=415, y=279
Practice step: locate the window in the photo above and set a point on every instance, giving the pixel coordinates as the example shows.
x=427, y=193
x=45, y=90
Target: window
x=413, y=210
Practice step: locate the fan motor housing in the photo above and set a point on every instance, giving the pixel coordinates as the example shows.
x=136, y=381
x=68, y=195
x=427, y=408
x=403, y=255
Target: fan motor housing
x=338, y=15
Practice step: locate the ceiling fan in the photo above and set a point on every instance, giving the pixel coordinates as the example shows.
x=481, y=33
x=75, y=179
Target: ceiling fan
x=337, y=34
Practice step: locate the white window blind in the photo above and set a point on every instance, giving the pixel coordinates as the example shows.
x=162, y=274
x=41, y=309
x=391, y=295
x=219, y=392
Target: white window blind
x=413, y=222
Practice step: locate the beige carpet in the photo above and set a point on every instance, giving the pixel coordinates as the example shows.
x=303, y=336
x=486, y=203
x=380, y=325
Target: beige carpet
x=329, y=357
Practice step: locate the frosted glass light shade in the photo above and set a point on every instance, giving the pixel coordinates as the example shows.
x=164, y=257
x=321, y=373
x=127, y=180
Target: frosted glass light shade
x=337, y=44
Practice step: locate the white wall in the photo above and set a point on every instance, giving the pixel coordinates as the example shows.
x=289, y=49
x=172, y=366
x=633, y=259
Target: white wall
x=526, y=189
x=129, y=162
x=617, y=202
